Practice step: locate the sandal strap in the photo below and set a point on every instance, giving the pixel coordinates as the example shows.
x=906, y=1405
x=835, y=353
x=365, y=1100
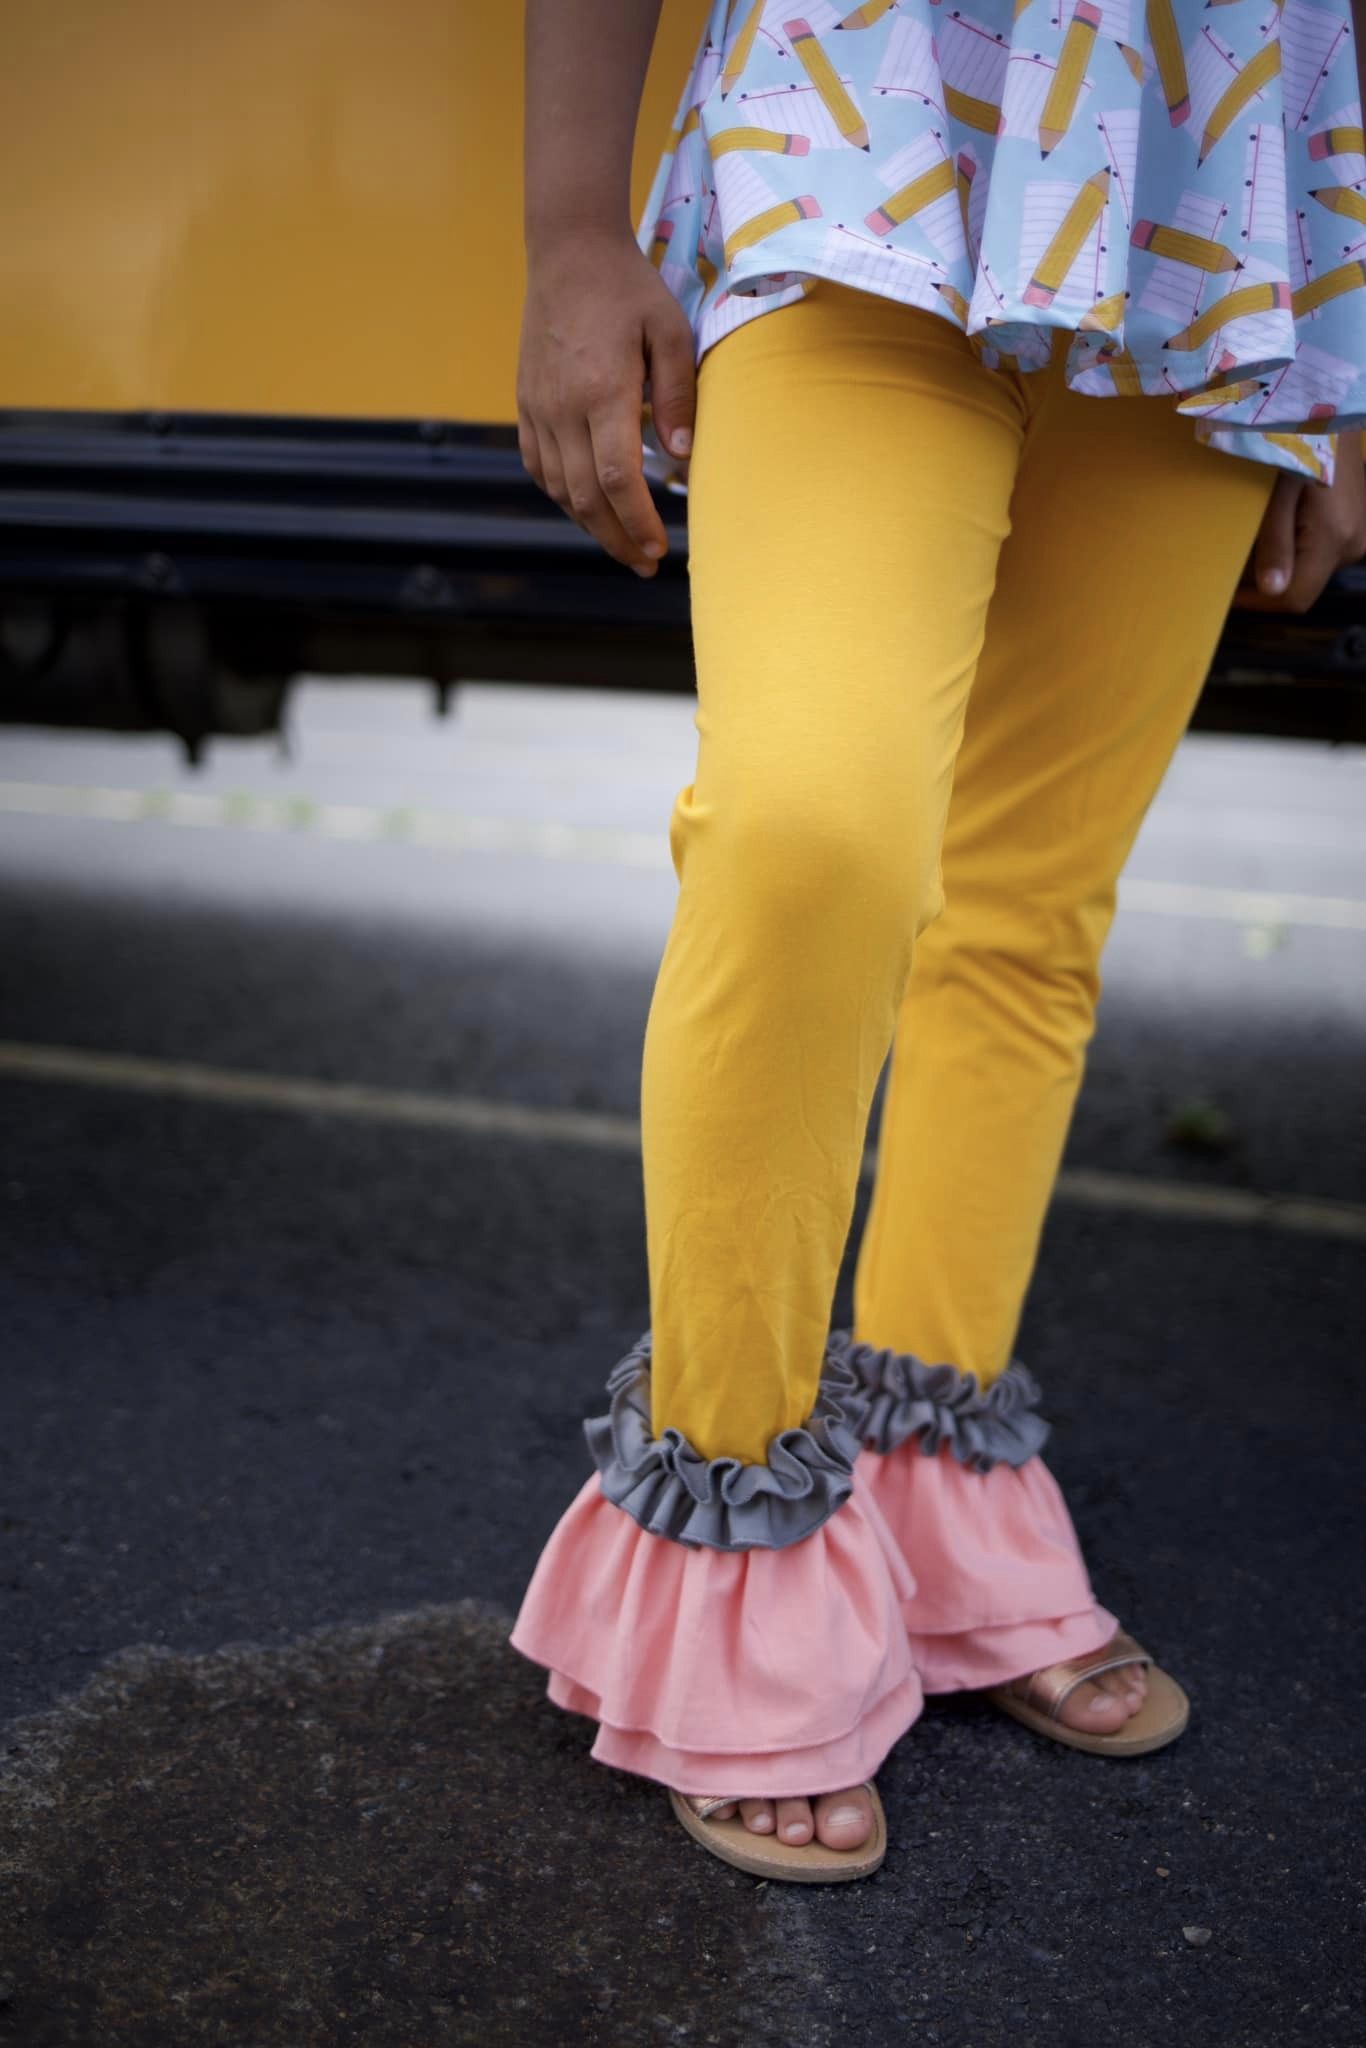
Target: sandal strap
x=705, y=1808
x=1048, y=1690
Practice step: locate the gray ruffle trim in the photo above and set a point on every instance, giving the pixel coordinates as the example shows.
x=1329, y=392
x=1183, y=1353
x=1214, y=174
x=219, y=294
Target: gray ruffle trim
x=898, y=1396
x=721, y=1503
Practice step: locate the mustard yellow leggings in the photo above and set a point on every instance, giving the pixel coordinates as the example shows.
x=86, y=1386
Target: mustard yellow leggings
x=950, y=623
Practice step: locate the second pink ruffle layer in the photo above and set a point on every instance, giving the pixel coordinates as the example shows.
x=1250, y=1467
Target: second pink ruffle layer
x=765, y=1672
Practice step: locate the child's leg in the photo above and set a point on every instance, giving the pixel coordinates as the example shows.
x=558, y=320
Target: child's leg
x=847, y=503
x=735, y=1626
x=1126, y=545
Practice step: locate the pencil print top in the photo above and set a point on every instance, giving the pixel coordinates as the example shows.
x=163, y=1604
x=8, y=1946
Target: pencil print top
x=1181, y=184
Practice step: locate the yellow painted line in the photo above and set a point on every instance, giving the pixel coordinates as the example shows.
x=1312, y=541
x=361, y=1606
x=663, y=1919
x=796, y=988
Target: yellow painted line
x=452, y=832
x=1309, y=1214
x=477, y=1116
x=240, y=1090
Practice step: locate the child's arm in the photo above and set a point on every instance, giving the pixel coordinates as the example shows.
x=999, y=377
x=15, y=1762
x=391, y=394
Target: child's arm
x=598, y=318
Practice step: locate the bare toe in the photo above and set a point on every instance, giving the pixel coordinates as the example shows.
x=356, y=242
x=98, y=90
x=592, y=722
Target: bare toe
x=844, y=1820
x=723, y=1812
x=794, y=1820
x=1092, y=1706
x=1121, y=1686
x=757, y=1815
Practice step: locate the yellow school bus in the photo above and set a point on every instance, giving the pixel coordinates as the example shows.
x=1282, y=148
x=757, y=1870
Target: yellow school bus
x=260, y=289
x=307, y=207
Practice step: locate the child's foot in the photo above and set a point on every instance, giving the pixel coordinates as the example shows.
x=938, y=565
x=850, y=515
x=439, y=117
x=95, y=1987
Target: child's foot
x=844, y=1820
x=1101, y=1705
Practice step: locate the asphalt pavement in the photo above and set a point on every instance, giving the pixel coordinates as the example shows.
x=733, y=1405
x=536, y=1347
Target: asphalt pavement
x=322, y=1227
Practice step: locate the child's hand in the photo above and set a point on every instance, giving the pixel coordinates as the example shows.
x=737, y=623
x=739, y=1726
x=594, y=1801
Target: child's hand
x=1307, y=531
x=599, y=321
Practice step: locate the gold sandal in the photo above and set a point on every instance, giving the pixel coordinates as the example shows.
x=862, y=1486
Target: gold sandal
x=1037, y=1699
x=765, y=1856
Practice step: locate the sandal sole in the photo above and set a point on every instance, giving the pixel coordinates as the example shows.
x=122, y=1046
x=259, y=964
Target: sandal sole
x=764, y=1856
x=1161, y=1718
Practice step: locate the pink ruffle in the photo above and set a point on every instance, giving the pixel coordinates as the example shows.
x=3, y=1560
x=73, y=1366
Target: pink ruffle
x=770, y=1672
x=1000, y=1587
x=762, y=1671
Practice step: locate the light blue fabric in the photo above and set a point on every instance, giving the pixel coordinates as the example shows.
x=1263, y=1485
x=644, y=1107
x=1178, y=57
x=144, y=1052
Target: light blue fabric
x=1182, y=186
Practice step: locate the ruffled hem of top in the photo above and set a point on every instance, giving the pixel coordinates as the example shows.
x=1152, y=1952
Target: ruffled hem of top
x=892, y=1396
x=1238, y=291
x=1096, y=367
x=712, y=1670
x=667, y=1487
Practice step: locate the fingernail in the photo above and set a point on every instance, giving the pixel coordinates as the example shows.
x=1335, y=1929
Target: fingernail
x=654, y=549
x=1274, y=580
x=680, y=441
x=844, y=1817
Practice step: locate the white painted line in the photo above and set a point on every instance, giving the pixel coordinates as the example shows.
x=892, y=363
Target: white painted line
x=1243, y=906
x=452, y=832
x=478, y=1116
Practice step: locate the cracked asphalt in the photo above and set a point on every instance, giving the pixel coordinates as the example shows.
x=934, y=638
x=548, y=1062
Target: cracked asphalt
x=292, y=1399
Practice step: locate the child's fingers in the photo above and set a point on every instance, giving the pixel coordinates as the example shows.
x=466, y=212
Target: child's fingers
x=673, y=378
x=1308, y=532
x=584, y=499
x=1274, y=554
x=615, y=436
x=529, y=446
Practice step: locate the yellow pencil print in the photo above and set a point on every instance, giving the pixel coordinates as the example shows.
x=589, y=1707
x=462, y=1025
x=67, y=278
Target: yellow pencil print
x=973, y=113
x=1296, y=445
x=1073, y=59
x=1337, y=142
x=1170, y=59
x=741, y=47
x=759, y=138
x=1348, y=277
x=828, y=83
x=1124, y=371
x=865, y=16
x=1198, y=250
x=1249, y=298
x=1223, y=394
x=1341, y=199
x=951, y=296
x=1061, y=253
x=1257, y=72
x=930, y=185
x=1105, y=316
x=660, y=240
x=768, y=223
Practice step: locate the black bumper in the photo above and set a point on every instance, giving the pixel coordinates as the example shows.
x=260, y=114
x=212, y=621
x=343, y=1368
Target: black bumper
x=154, y=569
